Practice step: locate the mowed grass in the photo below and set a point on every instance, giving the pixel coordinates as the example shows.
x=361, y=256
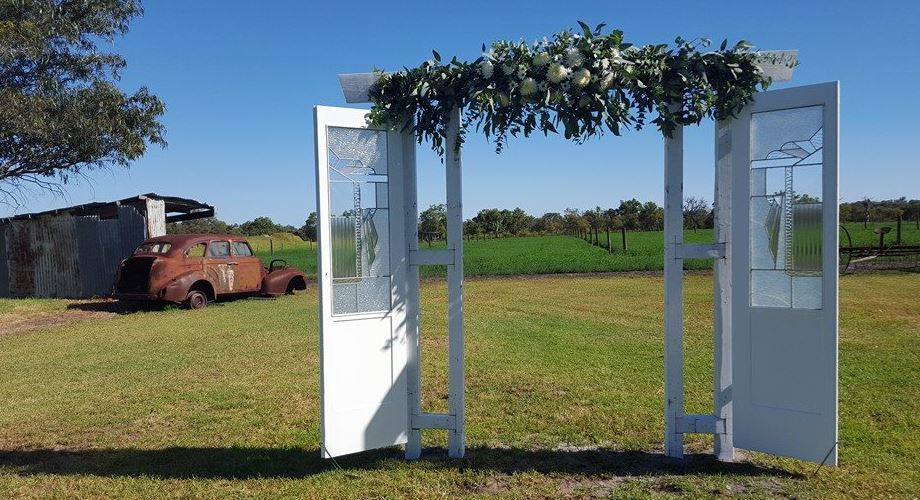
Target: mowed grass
x=564, y=398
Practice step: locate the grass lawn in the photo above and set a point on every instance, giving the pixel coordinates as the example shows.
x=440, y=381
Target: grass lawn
x=564, y=397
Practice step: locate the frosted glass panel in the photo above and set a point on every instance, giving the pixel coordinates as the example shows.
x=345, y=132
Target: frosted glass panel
x=359, y=220
x=786, y=207
x=807, y=292
x=771, y=289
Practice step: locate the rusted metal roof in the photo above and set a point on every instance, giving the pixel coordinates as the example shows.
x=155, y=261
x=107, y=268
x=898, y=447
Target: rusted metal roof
x=182, y=209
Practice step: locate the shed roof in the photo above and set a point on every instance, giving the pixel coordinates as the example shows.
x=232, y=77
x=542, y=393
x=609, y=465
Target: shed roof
x=177, y=209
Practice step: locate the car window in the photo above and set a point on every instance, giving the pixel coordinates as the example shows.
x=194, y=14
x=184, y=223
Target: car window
x=197, y=250
x=219, y=249
x=241, y=249
x=155, y=247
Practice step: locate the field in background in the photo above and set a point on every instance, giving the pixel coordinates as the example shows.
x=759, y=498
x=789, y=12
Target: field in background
x=863, y=236
x=521, y=255
x=564, y=384
x=556, y=254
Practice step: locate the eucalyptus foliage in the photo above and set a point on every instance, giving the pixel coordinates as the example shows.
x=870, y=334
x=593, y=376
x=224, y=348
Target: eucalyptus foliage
x=578, y=84
x=62, y=111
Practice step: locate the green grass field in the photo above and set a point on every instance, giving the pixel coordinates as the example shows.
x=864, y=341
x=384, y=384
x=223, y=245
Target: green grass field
x=525, y=255
x=863, y=236
x=564, y=398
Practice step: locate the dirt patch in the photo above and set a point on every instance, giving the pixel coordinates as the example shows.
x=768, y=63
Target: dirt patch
x=26, y=321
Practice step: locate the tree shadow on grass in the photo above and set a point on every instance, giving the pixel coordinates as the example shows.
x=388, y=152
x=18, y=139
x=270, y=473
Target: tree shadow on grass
x=293, y=463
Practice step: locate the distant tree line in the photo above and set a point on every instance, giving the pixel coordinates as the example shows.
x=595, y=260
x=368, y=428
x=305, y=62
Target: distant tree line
x=631, y=215
x=867, y=210
x=257, y=227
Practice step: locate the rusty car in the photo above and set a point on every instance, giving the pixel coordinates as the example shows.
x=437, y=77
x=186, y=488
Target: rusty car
x=195, y=269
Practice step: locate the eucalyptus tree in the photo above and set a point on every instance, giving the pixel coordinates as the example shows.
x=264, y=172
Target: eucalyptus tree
x=62, y=113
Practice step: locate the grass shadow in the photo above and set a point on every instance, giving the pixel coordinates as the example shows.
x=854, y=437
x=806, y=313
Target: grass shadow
x=293, y=463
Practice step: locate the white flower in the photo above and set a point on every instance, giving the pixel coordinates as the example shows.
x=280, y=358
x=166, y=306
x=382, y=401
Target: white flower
x=486, y=68
x=605, y=64
x=557, y=72
x=528, y=86
x=507, y=69
x=573, y=57
x=582, y=77
x=615, y=53
x=542, y=86
x=541, y=59
x=521, y=72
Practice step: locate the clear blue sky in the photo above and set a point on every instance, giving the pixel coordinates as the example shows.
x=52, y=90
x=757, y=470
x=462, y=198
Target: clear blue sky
x=240, y=78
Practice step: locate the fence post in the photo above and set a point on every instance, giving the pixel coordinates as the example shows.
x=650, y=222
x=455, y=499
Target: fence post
x=271, y=246
x=897, y=238
x=609, y=249
x=623, y=234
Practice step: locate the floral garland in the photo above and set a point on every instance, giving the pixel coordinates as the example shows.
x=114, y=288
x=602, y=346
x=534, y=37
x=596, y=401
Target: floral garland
x=582, y=83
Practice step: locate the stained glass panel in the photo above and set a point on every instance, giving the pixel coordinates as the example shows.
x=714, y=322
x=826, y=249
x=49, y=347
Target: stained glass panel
x=786, y=207
x=359, y=220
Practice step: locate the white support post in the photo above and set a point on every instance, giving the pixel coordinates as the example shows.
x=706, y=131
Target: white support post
x=413, y=359
x=456, y=438
x=723, y=444
x=673, y=293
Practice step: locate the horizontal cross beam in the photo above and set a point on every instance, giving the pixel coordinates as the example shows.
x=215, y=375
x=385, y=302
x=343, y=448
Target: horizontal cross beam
x=432, y=257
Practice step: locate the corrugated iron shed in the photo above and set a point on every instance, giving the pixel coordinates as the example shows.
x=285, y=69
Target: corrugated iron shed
x=75, y=251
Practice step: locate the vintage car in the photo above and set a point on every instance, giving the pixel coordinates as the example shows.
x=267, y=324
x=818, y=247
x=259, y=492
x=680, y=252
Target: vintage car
x=194, y=269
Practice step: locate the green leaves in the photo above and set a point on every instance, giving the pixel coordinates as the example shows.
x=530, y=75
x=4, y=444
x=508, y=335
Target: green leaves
x=61, y=110
x=588, y=85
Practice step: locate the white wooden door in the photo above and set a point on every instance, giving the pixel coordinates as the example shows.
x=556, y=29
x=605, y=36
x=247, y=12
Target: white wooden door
x=784, y=267
x=362, y=280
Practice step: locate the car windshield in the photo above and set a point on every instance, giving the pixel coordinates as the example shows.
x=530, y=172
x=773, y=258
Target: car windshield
x=155, y=247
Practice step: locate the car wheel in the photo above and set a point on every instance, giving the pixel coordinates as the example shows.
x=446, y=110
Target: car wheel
x=196, y=300
x=290, y=288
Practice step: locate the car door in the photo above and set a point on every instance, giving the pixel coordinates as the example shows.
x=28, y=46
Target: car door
x=217, y=265
x=247, y=267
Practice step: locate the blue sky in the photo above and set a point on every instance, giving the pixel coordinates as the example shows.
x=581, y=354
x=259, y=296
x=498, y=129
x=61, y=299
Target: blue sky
x=240, y=78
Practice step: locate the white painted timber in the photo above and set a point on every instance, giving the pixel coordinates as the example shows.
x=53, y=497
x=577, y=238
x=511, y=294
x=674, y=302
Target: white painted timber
x=723, y=444
x=413, y=361
x=363, y=362
x=784, y=359
x=700, y=251
x=701, y=424
x=433, y=421
x=431, y=257
x=456, y=438
x=673, y=292
x=356, y=86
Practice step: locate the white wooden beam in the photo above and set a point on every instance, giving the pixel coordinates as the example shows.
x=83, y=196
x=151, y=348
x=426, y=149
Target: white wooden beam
x=700, y=251
x=456, y=438
x=673, y=292
x=356, y=86
x=433, y=421
x=441, y=257
x=413, y=360
x=723, y=444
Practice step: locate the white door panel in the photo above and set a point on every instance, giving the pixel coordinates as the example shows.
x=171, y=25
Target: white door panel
x=784, y=264
x=362, y=280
